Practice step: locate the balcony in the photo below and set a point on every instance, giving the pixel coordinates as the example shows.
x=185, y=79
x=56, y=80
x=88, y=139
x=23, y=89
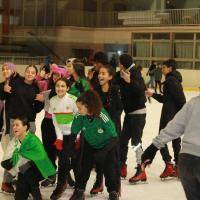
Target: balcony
x=173, y=17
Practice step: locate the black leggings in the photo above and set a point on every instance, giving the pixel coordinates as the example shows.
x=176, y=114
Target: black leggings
x=48, y=139
x=28, y=183
x=110, y=168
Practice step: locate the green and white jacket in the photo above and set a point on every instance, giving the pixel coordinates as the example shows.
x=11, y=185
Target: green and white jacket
x=63, y=110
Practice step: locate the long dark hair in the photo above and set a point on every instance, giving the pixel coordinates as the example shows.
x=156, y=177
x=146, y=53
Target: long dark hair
x=79, y=68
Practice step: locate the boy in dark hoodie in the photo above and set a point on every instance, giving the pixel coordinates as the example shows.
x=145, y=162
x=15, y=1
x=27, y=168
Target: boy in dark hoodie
x=132, y=89
x=173, y=99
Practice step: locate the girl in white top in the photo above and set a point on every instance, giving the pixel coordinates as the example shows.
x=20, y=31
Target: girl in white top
x=62, y=107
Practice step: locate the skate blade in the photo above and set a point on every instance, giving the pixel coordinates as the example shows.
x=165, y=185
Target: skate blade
x=138, y=183
x=48, y=186
x=7, y=193
x=168, y=178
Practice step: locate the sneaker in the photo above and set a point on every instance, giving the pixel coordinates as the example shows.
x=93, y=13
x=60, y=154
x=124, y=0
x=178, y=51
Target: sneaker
x=140, y=175
x=59, y=190
x=123, y=171
x=78, y=195
x=168, y=171
x=49, y=181
x=113, y=195
x=7, y=187
x=97, y=187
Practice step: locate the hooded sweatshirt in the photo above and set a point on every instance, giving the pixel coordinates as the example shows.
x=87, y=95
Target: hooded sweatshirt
x=173, y=97
x=186, y=123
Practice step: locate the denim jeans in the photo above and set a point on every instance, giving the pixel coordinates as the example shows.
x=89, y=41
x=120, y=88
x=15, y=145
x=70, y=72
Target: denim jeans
x=189, y=170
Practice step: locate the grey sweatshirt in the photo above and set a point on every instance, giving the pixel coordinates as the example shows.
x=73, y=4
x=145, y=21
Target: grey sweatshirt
x=186, y=122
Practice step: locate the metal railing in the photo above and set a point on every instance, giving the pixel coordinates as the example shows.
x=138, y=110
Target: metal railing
x=161, y=18
x=22, y=60
x=189, y=16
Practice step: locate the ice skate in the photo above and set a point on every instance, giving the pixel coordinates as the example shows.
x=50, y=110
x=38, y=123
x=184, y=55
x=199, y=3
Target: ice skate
x=140, y=176
x=59, y=190
x=97, y=187
x=78, y=195
x=168, y=171
x=49, y=181
x=70, y=180
x=123, y=171
x=113, y=195
x=7, y=188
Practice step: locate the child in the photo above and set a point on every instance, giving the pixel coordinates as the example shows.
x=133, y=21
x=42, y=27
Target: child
x=100, y=144
x=47, y=127
x=62, y=108
x=26, y=157
x=186, y=124
x=173, y=99
x=79, y=82
x=111, y=99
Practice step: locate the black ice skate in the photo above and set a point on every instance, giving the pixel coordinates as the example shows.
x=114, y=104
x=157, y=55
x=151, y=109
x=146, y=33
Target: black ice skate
x=49, y=181
x=70, y=180
x=57, y=193
x=78, y=195
x=113, y=195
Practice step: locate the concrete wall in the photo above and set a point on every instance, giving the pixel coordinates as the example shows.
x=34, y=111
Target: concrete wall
x=191, y=78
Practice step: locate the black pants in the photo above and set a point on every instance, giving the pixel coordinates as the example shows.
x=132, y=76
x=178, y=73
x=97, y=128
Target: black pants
x=132, y=129
x=28, y=183
x=158, y=84
x=64, y=163
x=48, y=139
x=176, y=145
x=110, y=168
x=189, y=170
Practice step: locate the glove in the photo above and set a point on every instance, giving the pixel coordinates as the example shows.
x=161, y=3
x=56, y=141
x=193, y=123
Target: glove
x=149, y=154
x=59, y=144
x=7, y=164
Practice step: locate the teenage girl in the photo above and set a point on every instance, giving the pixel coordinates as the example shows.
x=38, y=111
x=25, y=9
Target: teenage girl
x=111, y=99
x=79, y=82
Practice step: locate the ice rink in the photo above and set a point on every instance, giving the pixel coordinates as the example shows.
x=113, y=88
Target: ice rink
x=154, y=188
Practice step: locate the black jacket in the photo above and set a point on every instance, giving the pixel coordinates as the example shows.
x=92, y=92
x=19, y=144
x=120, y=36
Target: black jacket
x=21, y=101
x=133, y=94
x=112, y=103
x=173, y=97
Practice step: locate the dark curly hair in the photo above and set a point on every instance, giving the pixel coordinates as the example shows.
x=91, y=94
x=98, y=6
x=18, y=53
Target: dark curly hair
x=91, y=100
